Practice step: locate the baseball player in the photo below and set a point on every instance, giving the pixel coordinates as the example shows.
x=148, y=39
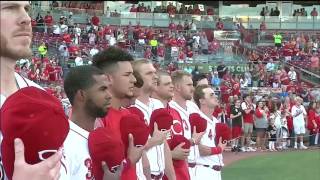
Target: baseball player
x=15, y=45
x=116, y=64
x=87, y=90
x=209, y=163
x=158, y=152
x=183, y=92
x=164, y=93
x=299, y=113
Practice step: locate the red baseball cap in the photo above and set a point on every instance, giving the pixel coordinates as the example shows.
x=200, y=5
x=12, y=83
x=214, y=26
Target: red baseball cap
x=162, y=117
x=196, y=120
x=178, y=139
x=222, y=130
x=174, y=142
x=37, y=118
x=103, y=146
x=132, y=124
x=136, y=111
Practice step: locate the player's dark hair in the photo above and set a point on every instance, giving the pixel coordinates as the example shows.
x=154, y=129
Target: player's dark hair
x=198, y=77
x=139, y=82
x=107, y=59
x=80, y=78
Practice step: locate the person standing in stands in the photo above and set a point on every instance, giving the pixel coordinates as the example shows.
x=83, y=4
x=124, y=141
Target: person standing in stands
x=277, y=39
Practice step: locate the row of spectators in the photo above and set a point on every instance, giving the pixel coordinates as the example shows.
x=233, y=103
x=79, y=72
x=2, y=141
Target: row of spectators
x=303, y=12
x=265, y=12
x=172, y=10
x=96, y=5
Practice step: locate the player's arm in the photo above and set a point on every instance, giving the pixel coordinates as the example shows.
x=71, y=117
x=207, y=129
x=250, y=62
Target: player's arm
x=208, y=151
x=146, y=166
x=168, y=170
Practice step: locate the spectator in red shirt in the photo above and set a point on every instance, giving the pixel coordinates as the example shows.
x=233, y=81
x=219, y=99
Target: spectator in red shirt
x=315, y=62
x=225, y=91
x=33, y=23
x=182, y=55
x=284, y=78
x=263, y=26
x=172, y=26
x=170, y=9
x=95, y=20
x=181, y=41
x=133, y=8
x=148, y=53
x=48, y=20
x=314, y=12
x=291, y=88
x=248, y=112
x=210, y=11
x=179, y=26
x=150, y=33
x=66, y=38
x=312, y=123
x=173, y=41
x=219, y=25
x=142, y=8
x=196, y=10
x=73, y=49
x=161, y=52
x=44, y=75
x=108, y=32
x=189, y=53
x=100, y=34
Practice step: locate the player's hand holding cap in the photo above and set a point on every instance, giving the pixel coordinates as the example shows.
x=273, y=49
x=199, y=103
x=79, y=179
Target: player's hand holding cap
x=200, y=123
x=103, y=146
x=132, y=124
x=174, y=142
x=223, y=131
x=163, y=119
x=37, y=118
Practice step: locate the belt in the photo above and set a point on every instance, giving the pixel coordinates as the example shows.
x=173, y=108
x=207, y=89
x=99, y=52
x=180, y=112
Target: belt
x=214, y=167
x=157, y=177
x=192, y=165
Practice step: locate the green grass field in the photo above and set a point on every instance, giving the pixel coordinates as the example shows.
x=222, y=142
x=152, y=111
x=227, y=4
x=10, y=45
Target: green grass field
x=298, y=165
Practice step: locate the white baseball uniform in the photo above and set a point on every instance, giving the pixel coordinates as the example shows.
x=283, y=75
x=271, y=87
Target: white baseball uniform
x=155, y=154
x=76, y=151
x=21, y=83
x=208, y=139
x=184, y=114
x=298, y=121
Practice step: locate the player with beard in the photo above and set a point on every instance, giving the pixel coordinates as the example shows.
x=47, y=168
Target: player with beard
x=181, y=101
x=16, y=33
x=87, y=90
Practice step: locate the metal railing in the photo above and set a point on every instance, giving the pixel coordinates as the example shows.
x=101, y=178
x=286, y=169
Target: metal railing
x=201, y=21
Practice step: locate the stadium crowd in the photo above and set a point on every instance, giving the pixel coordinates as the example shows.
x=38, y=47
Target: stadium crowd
x=269, y=107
